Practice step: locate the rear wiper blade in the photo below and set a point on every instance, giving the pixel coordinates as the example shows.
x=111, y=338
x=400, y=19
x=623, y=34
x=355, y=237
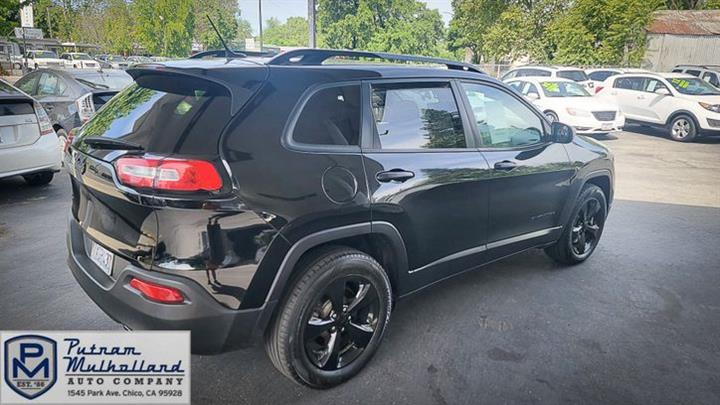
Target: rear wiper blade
x=109, y=143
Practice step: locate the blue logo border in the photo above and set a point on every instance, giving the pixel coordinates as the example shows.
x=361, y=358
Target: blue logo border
x=53, y=380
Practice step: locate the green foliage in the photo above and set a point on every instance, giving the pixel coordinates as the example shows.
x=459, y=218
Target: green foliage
x=471, y=21
x=403, y=26
x=293, y=32
x=222, y=13
x=115, y=22
x=9, y=15
x=164, y=27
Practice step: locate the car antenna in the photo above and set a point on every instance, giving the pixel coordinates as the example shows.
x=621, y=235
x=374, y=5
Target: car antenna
x=229, y=54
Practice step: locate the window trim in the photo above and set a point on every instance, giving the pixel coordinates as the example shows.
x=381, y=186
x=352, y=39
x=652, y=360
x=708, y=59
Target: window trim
x=544, y=141
x=287, y=140
x=370, y=140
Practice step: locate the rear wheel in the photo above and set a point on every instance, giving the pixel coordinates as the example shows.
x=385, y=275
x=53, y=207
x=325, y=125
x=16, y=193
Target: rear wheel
x=683, y=128
x=582, y=234
x=39, y=179
x=332, y=320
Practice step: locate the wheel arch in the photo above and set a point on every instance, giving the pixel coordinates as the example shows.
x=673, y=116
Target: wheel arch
x=683, y=112
x=602, y=179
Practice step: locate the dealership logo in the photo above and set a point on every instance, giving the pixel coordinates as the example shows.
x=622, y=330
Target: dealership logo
x=30, y=364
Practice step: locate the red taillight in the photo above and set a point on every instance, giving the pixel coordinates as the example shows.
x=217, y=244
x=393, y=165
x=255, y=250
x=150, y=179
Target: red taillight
x=168, y=174
x=157, y=292
x=598, y=88
x=43, y=120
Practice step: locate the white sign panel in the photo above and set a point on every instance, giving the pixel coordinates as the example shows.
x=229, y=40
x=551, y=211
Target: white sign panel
x=26, y=16
x=95, y=367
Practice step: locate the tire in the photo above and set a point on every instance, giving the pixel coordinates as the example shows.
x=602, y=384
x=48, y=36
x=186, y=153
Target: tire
x=570, y=249
x=551, y=116
x=683, y=128
x=307, y=326
x=39, y=179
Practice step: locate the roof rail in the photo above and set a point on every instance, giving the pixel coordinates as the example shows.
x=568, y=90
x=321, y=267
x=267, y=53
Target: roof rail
x=221, y=53
x=314, y=57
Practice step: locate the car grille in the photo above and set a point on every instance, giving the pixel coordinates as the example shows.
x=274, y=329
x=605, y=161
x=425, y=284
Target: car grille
x=604, y=115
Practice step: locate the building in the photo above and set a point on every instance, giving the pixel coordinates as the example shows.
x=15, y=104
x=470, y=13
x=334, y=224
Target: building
x=683, y=37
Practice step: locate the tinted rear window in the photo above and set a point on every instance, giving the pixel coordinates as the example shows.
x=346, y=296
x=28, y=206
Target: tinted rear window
x=574, y=75
x=15, y=107
x=165, y=115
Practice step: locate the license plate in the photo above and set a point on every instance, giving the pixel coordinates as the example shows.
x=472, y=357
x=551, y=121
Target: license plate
x=606, y=127
x=102, y=257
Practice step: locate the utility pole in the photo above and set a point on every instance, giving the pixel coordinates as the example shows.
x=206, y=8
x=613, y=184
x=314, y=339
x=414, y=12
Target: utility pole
x=49, y=22
x=311, y=22
x=260, y=21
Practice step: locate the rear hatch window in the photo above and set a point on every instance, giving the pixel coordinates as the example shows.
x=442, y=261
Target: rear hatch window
x=164, y=115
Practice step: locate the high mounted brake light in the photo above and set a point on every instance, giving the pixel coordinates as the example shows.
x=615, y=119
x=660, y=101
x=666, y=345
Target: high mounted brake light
x=168, y=174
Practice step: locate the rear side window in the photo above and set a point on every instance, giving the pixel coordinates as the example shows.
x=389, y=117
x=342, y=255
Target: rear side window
x=330, y=117
x=166, y=115
x=711, y=78
x=417, y=116
x=693, y=72
x=677, y=70
x=630, y=83
x=534, y=72
x=601, y=75
x=27, y=84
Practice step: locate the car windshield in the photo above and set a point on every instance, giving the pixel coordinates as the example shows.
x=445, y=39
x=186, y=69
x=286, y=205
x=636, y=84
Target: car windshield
x=563, y=89
x=574, y=75
x=116, y=58
x=81, y=56
x=43, y=54
x=105, y=81
x=693, y=86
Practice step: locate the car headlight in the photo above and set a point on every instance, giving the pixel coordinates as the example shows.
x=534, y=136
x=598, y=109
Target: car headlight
x=576, y=112
x=710, y=107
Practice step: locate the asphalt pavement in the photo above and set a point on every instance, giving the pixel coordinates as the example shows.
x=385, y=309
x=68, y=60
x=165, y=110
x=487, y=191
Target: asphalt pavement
x=638, y=323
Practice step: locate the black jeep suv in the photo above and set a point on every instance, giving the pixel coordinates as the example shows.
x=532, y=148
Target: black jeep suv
x=294, y=199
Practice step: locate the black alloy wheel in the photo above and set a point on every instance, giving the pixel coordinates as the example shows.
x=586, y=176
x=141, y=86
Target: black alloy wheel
x=586, y=228
x=342, y=322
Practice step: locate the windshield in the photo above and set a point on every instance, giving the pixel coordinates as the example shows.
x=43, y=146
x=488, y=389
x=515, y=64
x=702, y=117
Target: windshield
x=81, y=56
x=574, y=75
x=43, y=54
x=105, y=81
x=563, y=89
x=693, y=86
x=116, y=58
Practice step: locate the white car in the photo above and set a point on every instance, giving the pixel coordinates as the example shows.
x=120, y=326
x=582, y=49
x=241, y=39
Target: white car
x=709, y=73
x=43, y=59
x=568, y=102
x=685, y=105
x=79, y=60
x=28, y=144
x=570, y=73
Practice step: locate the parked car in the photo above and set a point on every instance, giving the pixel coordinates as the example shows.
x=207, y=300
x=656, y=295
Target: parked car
x=295, y=200
x=597, y=76
x=71, y=96
x=568, y=102
x=28, y=145
x=134, y=60
x=43, y=59
x=710, y=74
x=116, y=61
x=79, y=60
x=570, y=73
x=685, y=105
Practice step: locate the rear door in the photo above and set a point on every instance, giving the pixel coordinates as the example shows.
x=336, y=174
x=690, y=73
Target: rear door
x=654, y=107
x=529, y=176
x=627, y=92
x=425, y=176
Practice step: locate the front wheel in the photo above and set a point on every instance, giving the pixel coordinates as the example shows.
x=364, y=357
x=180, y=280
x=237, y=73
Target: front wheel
x=332, y=320
x=582, y=233
x=683, y=128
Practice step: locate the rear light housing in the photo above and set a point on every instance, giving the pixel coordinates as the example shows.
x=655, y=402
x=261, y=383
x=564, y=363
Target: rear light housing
x=169, y=174
x=598, y=88
x=46, y=127
x=85, y=107
x=156, y=292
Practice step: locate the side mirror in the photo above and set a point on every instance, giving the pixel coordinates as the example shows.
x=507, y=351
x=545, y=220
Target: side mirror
x=561, y=133
x=662, y=91
x=532, y=96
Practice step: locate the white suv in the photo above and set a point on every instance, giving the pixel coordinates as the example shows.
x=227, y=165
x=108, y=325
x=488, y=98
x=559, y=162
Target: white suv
x=570, y=73
x=710, y=74
x=686, y=105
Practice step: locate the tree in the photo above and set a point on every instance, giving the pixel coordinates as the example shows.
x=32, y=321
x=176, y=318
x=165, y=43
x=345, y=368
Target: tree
x=115, y=22
x=9, y=15
x=404, y=26
x=164, y=27
x=293, y=32
x=222, y=13
x=471, y=21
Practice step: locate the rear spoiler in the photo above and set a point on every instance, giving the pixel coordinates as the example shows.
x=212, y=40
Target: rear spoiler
x=241, y=86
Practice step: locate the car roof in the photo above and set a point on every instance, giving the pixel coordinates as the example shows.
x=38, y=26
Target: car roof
x=664, y=75
x=538, y=79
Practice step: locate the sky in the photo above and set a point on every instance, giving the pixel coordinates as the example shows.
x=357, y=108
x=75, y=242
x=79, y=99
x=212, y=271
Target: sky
x=282, y=9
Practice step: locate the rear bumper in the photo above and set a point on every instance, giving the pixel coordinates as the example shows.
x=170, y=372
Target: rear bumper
x=214, y=328
x=44, y=154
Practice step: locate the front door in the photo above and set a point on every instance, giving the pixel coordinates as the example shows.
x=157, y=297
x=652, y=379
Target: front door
x=425, y=175
x=530, y=177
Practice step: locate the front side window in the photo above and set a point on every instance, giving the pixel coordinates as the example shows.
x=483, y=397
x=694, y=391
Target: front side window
x=330, y=117
x=417, y=116
x=502, y=120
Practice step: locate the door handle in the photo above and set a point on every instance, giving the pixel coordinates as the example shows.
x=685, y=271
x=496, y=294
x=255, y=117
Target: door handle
x=399, y=175
x=505, y=165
